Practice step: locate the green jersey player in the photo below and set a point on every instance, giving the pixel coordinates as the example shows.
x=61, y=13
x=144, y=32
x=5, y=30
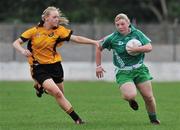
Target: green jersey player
x=131, y=73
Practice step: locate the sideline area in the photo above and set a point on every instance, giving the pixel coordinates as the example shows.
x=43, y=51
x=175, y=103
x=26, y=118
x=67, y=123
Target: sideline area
x=161, y=71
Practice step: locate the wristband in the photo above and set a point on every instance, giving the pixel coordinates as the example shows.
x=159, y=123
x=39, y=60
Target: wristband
x=98, y=66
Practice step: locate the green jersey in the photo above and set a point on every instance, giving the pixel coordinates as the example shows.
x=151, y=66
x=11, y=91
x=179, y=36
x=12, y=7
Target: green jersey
x=117, y=42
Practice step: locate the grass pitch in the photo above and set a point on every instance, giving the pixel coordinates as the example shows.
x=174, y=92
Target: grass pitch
x=98, y=103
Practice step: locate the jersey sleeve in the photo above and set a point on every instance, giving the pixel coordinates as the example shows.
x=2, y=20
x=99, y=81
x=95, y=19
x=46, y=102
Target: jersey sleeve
x=28, y=34
x=106, y=43
x=64, y=34
x=143, y=38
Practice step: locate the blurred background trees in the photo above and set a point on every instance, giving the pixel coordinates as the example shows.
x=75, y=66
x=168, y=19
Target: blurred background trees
x=87, y=11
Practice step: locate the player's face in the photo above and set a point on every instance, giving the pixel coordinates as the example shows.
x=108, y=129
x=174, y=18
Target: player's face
x=53, y=18
x=122, y=26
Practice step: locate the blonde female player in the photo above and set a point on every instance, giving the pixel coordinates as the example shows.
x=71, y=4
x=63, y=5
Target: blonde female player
x=45, y=62
x=131, y=73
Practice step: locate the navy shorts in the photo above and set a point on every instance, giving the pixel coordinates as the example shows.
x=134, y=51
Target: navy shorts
x=41, y=72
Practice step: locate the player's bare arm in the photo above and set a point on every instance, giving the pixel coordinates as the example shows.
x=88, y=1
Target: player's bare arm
x=83, y=40
x=17, y=44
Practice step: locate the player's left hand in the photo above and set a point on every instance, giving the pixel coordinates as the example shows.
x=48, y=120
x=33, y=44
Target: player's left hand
x=97, y=44
x=133, y=48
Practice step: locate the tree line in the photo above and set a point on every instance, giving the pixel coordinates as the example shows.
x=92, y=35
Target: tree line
x=90, y=11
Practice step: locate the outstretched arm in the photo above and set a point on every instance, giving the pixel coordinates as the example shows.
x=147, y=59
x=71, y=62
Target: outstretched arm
x=83, y=40
x=99, y=70
x=17, y=45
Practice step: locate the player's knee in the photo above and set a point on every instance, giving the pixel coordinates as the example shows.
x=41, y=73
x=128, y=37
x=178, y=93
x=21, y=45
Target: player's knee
x=129, y=96
x=62, y=91
x=58, y=94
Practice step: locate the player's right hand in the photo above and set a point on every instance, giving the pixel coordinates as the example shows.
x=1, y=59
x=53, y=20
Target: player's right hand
x=26, y=53
x=99, y=72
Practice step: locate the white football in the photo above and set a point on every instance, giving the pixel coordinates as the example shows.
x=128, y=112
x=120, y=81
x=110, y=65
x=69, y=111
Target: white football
x=131, y=43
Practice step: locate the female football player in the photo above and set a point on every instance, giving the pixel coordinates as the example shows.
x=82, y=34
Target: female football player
x=44, y=60
x=131, y=73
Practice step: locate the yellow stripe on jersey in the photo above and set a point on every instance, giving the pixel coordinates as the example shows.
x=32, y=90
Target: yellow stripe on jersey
x=42, y=43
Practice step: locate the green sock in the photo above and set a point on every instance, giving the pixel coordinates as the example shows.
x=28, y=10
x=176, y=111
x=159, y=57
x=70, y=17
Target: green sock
x=152, y=116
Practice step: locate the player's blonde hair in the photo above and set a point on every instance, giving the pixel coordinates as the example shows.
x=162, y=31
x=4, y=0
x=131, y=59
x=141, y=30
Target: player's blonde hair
x=121, y=16
x=46, y=12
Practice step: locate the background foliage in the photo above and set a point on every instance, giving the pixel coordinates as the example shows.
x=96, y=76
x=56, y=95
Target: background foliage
x=85, y=11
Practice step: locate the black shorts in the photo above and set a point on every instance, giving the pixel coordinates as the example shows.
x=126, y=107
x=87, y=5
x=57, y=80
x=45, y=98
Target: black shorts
x=41, y=72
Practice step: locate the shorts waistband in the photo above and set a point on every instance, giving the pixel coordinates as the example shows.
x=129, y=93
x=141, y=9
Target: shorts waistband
x=130, y=67
x=52, y=64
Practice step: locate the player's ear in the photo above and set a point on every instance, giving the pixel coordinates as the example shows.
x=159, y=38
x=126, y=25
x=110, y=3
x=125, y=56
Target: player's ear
x=129, y=25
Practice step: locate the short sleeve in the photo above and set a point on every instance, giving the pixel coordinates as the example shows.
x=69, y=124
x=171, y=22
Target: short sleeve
x=64, y=33
x=28, y=34
x=143, y=38
x=106, y=43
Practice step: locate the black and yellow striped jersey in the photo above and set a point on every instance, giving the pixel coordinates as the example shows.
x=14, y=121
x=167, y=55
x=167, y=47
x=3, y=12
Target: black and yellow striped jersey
x=42, y=43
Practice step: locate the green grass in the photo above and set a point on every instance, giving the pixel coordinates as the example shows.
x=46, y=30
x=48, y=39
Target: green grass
x=98, y=103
